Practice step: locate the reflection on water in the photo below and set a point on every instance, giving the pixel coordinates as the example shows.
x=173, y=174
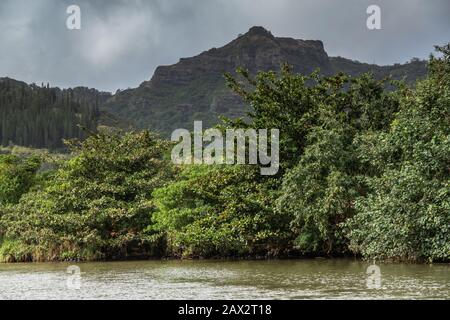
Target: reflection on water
x=292, y=279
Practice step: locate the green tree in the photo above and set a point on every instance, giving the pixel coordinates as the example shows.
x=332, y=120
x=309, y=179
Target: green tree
x=220, y=211
x=320, y=119
x=97, y=205
x=321, y=189
x=406, y=216
x=17, y=176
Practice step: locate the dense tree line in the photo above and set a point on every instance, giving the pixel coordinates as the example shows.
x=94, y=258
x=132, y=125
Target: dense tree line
x=41, y=116
x=364, y=171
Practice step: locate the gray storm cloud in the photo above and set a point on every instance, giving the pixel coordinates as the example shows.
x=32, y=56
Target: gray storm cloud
x=122, y=42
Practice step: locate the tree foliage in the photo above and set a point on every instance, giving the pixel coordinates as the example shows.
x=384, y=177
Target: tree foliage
x=365, y=169
x=17, y=176
x=221, y=211
x=406, y=215
x=41, y=116
x=96, y=206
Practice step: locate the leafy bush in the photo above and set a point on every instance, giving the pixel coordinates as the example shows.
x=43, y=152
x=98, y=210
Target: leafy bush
x=407, y=213
x=17, y=175
x=97, y=205
x=220, y=211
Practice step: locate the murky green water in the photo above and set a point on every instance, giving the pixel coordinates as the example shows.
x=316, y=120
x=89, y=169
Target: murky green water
x=299, y=279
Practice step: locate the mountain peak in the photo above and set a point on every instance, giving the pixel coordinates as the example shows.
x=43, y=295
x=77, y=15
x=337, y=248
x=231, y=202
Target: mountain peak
x=256, y=50
x=259, y=31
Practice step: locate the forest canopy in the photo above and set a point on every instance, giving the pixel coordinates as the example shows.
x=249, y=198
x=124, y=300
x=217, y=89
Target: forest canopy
x=41, y=116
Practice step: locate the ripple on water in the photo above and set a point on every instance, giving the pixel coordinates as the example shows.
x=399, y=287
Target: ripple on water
x=302, y=279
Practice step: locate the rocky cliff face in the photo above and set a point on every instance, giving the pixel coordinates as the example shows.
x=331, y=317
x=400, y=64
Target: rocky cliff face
x=256, y=50
x=194, y=88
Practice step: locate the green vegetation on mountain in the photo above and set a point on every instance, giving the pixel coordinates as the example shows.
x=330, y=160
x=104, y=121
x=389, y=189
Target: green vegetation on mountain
x=410, y=72
x=364, y=171
x=41, y=117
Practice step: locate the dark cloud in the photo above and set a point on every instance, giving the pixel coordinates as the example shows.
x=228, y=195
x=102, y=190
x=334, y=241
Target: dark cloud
x=122, y=41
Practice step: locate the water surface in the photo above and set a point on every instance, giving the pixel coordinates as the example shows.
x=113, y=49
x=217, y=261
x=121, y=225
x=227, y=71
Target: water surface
x=285, y=279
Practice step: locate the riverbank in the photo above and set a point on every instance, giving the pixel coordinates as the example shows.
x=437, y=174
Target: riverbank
x=231, y=259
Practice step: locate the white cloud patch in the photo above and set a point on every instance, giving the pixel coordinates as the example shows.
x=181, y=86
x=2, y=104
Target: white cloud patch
x=106, y=40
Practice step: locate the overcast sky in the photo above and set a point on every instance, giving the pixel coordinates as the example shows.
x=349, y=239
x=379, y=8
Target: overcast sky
x=121, y=42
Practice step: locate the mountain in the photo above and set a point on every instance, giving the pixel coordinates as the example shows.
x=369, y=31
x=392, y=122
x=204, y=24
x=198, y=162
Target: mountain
x=410, y=72
x=176, y=95
x=194, y=88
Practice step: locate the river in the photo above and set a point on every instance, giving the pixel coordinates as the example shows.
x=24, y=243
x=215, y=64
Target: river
x=204, y=279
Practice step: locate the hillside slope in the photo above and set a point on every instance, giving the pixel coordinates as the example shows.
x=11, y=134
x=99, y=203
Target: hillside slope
x=41, y=116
